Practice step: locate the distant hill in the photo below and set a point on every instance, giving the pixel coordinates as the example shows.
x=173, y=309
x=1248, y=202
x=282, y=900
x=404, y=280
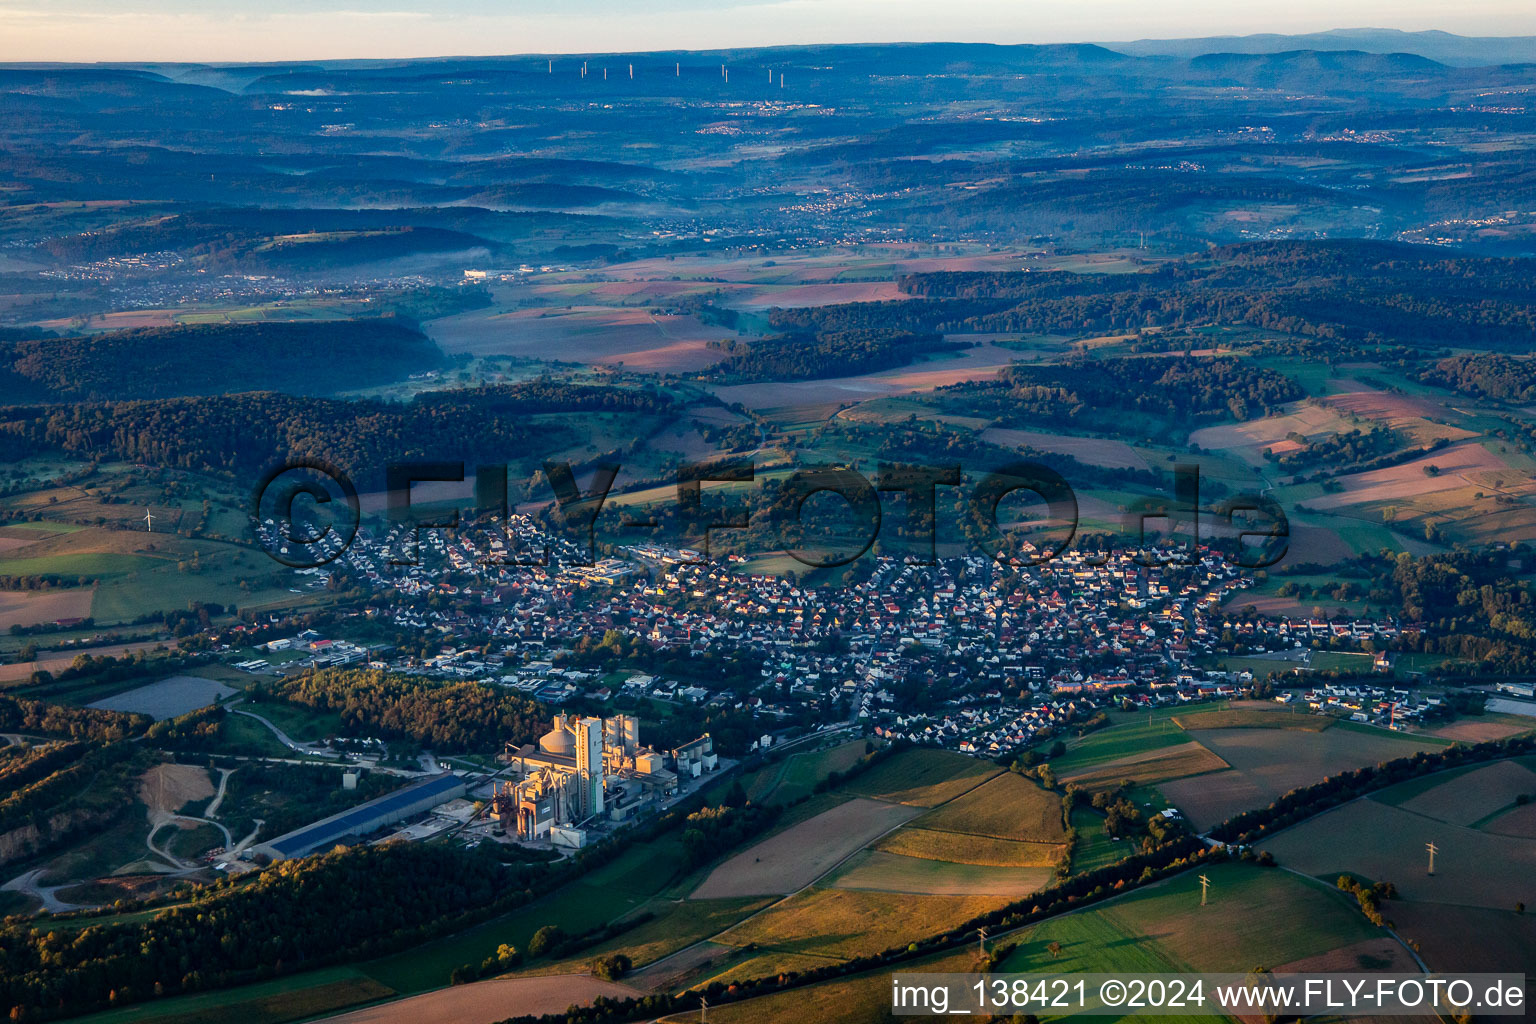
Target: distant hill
x=1298, y=68
x=1444, y=47
x=305, y=357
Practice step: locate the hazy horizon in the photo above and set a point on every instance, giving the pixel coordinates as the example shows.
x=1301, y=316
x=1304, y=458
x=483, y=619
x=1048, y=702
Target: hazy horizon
x=222, y=31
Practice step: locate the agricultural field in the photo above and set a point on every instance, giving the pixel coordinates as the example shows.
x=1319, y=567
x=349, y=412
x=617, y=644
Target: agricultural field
x=492, y=1000
x=1477, y=795
x=1378, y=842
x=1107, y=452
x=923, y=777
x=271, y=1002
x=1456, y=938
x=843, y=923
x=795, y=857
x=879, y=871
x=798, y=774
x=1153, y=767
x=632, y=337
x=800, y=398
x=1487, y=726
x=1128, y=733
x=863, y=999
x=1254, y=718
x=35, y=607
x=1161, y=928
x=1008, y=806
x=1255, y=917
x=962, y=848
x=1266, y=763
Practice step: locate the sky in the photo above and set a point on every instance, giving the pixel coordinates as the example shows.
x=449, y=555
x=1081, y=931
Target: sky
x=225, y=30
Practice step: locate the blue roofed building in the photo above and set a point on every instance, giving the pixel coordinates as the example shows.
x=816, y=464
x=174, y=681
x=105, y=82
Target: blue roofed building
x=417, y=798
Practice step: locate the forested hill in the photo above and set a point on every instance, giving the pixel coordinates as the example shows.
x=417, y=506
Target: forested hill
x=300, y=357
x=1348, y=290
x=246, y=433
x=825, y=354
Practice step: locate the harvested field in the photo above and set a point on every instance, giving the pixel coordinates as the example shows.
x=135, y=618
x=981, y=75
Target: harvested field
x=1253, y=718
x=1006, y=807
x=596, y=335
x=1471, y=796
x=802, y=853
x=167, y=787
x=1092, y=451
x=56, y=660
x=685, y=963
x=1418, y=419
x=33, y=607
x=1269, y=762
x=922, y=777
x=1521, y=822
x=1384, y=843
x=980, y=363
x=1395, y=483
x=826, y=294
x=167, y=698
x=1248, y=439
x=1487, y=727
x=958, y=848
x=1151, y=767
x=1468, y=938
x=1383, y=954
x=877, y=871
x=1319, y=545
x=485, y=1002
x=846, y=923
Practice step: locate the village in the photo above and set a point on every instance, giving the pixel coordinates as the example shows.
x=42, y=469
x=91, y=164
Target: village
x=967, y=654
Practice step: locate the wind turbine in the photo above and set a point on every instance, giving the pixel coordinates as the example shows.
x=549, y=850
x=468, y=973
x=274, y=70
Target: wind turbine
x=149, y=521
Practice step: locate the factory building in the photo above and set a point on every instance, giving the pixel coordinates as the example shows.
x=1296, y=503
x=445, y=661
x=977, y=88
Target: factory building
x=696, y=757
x=417, y=798
x=585, y=771
x=589, y=765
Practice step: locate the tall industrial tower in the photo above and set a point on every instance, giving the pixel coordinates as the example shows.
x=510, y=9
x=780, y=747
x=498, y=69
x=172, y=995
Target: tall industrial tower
x=589, y=765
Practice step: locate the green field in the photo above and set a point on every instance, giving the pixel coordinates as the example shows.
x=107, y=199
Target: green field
x=1128, y=733
x=1095, y=848
x=269, y=1002
x=798, y=775
x=923, y=777
x=1256, y=917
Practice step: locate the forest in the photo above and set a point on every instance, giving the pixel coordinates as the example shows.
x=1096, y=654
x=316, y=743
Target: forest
x=825, y=354
x=1086, y=392
x=437, y=713
x=246, y=433
x=302, y=357
x=293, y=916
x=1349, y=291
x=1486, y=375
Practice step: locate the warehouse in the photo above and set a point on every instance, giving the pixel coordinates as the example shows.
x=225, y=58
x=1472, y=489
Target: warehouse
x=414, y=799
